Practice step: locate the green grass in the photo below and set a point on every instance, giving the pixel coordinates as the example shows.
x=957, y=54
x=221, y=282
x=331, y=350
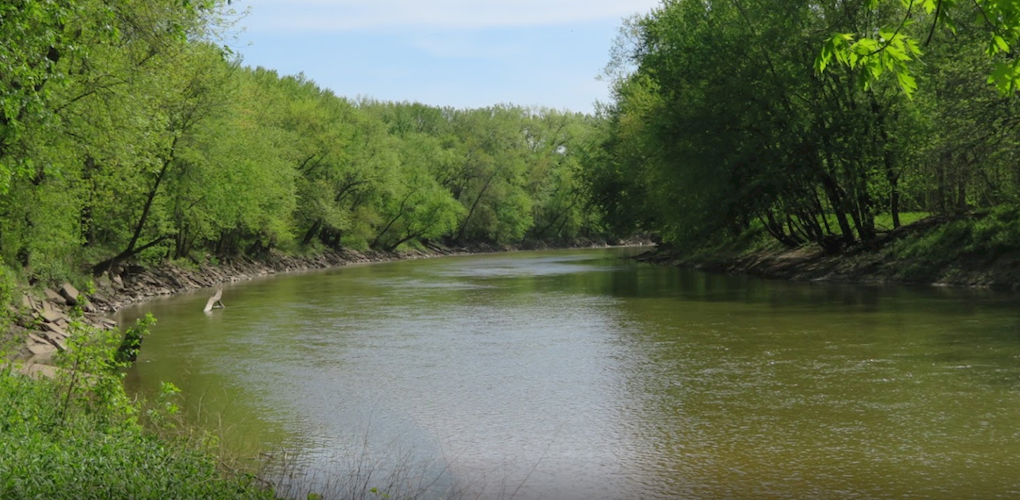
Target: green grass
x=885, y=222
x=982, y=237
x=80, y=437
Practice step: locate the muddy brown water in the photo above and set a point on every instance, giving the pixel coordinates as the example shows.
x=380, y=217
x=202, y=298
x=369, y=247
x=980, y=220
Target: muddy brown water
x=580, y=374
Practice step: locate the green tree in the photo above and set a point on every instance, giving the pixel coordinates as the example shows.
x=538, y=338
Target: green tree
x=902, y=27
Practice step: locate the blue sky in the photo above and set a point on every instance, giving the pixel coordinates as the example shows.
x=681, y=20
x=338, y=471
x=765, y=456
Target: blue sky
x=460, y=53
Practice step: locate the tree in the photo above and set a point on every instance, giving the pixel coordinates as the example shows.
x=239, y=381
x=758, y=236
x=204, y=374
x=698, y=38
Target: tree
x=898, y=41
x=716, y=128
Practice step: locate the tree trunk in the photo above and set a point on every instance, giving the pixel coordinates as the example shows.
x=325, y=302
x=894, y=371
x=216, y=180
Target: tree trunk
x=214, y=301
x=130, y=250
x=311, y=233
x=463, y=226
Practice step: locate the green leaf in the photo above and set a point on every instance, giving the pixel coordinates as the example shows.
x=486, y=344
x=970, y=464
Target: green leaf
x=1000, y=43
x=907, y=83
x=1002, y=77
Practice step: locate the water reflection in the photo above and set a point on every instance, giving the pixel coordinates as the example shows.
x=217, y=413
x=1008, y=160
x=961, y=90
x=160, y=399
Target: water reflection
x=581, y=375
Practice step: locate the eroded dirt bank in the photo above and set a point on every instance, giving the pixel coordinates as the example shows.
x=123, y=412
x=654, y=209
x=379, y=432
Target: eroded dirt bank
x=879, y=264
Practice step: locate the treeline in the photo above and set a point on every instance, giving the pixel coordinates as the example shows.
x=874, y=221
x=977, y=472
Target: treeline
x=127, y=134
x=724, y=120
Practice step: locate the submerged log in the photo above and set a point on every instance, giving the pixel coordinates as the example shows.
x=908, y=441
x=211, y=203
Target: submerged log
x=214, y=301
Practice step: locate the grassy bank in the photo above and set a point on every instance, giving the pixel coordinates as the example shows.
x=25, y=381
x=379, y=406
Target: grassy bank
x=78, y=436
x=975, y=249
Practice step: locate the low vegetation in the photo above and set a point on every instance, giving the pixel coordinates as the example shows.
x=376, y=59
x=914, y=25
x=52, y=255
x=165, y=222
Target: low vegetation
x=79, y=436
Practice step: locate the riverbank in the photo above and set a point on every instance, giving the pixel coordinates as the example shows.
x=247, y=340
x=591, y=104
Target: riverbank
x=135, y=284
x=76, y=412
x=939, y=251
x=43, y=317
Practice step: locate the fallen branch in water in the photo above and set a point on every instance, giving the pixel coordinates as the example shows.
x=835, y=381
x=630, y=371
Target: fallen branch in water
x=215, y=301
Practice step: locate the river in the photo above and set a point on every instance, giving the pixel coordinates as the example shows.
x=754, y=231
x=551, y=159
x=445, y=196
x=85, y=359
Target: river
x=585, y=375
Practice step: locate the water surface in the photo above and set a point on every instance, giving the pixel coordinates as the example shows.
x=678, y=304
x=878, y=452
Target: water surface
x=578, y=374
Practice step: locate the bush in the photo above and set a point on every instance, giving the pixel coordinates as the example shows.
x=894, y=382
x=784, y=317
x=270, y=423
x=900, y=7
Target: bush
x=78, y=437
x=996, y=232
x=8, y=290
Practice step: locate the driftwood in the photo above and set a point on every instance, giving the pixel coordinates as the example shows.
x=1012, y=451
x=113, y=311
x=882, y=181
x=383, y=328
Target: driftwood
x=214, y=301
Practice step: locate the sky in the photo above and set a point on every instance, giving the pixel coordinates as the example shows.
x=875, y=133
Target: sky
x=459, y=53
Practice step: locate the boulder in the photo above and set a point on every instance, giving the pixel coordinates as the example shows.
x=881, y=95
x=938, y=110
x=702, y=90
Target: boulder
x=118, y=282
x=54, y=297
x=58, y=343
x=37, y=305
x=54, y=331
x=41, y=350
x=52, y=315
x=69, y=293
x=37, y=371
x=103, y=281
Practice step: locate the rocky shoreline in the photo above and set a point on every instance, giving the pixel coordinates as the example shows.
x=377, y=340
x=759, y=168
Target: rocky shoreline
x=132, y=285
x=44, y=318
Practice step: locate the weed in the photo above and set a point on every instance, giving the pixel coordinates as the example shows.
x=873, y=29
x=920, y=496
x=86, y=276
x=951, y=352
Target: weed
x=78, y=436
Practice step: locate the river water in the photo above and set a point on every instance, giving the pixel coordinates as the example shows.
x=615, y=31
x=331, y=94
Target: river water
x=585, y=375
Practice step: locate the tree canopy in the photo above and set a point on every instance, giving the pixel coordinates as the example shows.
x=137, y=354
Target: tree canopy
x=725, y=119
x=127, y=133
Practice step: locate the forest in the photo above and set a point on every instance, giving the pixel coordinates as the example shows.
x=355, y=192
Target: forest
x=812, y=122
x=130, y=133
x=127, y=134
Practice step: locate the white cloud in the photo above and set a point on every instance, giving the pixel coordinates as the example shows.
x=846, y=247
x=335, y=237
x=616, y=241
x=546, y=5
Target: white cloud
x=355, y=15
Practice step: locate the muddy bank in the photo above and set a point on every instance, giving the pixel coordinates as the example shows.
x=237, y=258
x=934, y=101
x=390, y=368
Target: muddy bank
x=133, y=284
x=879, y=264
x=44, y=318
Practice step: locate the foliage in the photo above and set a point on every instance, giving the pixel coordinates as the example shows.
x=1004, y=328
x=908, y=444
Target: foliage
x=127, y=349
x=78, y=437
x=894, y=40
x=715, y=130
x=142, y=140
x=8, y=289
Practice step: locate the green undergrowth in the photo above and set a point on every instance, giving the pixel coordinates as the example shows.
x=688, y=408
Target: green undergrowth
x=924, y=249
x=723, y=247
x=79, y=436
x=976, y=237
x=885, y=221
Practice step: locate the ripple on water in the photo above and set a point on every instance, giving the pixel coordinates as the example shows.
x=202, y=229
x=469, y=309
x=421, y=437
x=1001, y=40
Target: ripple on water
x=577, y=378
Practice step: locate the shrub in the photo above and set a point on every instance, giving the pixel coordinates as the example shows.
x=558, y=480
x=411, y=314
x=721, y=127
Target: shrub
x=78, y=437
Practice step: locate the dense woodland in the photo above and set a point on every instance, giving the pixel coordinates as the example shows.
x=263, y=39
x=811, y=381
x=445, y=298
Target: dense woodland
x=809, y=120
x=130, y=132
